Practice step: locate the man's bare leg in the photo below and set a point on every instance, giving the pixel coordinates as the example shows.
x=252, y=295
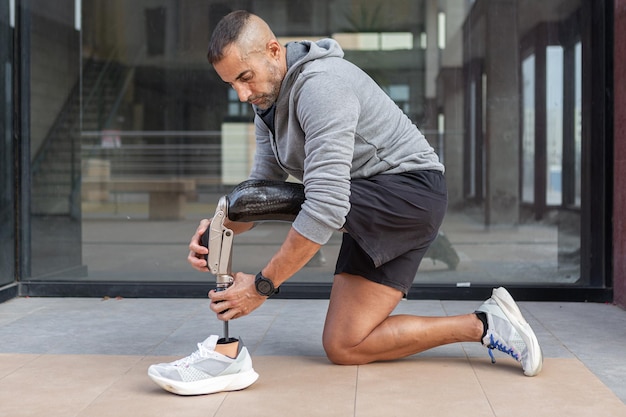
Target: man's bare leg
x=359, y=328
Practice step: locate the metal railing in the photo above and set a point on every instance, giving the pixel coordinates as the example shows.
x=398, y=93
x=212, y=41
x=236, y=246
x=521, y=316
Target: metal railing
x=173, y=154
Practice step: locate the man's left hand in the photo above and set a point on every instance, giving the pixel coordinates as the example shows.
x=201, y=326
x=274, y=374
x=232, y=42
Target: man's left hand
x=238, y=300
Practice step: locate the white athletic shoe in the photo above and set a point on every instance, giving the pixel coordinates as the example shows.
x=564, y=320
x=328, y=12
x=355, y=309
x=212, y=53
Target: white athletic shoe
x=205, y=371
x=509, y=332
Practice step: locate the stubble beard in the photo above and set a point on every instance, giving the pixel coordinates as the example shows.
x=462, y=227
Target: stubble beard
x=268, y=99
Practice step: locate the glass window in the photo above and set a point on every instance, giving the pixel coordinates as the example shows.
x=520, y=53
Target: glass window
x=528, y=130
x=473, y=136
x=134, y=137
x=7, y=214
x=53, y=94
x=577, y=123
x=554, y=124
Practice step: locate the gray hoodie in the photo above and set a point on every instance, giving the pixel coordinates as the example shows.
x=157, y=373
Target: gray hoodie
x=332, y=122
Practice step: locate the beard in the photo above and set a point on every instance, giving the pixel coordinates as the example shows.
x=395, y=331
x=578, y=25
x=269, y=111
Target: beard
x=266, y=100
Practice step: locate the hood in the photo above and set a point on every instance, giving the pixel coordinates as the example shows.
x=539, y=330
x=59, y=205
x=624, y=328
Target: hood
x=302, y=52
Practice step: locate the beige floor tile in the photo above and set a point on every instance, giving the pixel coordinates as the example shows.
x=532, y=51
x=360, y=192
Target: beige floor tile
x=10, y=362
x=135, y=395
x=59, y=385
x=565, y=387
x=420, y=386
x=287, y=386
x=295, y=386
x=99, y=386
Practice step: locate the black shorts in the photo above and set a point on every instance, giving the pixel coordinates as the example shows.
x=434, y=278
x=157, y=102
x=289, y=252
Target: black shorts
x=393, y=219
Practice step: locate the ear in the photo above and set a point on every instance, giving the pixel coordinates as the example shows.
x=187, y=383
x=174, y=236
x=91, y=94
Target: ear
x=274, y=49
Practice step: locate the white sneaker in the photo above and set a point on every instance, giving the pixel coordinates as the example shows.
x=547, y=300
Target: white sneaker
x=205, y=371
x=509, y=332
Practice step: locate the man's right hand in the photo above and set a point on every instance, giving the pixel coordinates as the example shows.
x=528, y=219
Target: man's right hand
x=197, y=252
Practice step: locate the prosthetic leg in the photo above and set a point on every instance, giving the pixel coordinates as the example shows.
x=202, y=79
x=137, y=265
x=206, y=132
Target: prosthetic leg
x=250, y=201
x=219, y=259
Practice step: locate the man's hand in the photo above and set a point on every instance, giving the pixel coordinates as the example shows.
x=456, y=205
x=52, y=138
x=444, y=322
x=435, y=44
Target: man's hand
x=238, y=300
x=197, y=252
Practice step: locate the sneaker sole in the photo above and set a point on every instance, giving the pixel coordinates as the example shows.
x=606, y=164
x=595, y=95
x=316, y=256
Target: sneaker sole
x=233, y=382
x=512, y=312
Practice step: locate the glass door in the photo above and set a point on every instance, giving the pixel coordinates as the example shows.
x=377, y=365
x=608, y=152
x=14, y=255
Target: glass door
x=7, y=177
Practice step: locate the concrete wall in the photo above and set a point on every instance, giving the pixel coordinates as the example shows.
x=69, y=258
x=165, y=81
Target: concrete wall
x=619, y=205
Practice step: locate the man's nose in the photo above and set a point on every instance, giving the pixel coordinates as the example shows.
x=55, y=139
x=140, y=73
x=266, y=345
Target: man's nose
x=242, y=92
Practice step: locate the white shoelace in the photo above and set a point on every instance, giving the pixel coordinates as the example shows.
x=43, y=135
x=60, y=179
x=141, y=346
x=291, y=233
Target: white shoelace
x=202, y=352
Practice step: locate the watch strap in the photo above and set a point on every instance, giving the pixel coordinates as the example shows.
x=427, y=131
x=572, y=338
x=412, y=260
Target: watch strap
x=265, y=286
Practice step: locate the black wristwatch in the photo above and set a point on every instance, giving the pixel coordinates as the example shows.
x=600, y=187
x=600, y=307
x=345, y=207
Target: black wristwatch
x=264, y=286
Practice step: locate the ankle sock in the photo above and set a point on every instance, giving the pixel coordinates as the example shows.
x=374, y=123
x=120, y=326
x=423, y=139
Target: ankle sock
x=482, y=317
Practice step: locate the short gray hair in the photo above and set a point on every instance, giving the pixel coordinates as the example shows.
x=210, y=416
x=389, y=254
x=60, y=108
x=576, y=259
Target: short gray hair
x=226, y=32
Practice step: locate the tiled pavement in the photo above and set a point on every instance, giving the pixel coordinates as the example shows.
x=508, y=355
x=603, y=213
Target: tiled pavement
x=88, y=357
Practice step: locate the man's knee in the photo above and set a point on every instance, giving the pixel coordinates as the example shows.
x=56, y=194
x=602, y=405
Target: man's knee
x=337, y=355
x=339, y=352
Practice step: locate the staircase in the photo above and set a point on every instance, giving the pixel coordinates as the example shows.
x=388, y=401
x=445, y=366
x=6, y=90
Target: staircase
x=55, y=173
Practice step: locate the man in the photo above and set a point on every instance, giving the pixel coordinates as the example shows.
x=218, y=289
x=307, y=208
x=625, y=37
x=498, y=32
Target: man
x=368, y=171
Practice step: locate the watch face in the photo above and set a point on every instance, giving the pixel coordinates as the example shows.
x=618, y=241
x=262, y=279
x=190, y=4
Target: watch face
x=264, y=287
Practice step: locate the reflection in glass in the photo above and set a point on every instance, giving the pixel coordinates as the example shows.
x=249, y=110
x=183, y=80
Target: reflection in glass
x=158, y=137
x=528, y=130
x=578, y=108
x=554, y=124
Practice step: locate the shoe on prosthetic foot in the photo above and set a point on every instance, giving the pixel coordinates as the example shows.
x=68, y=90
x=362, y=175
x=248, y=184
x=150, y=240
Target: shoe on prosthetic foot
x=508, y=332
x=205, y=371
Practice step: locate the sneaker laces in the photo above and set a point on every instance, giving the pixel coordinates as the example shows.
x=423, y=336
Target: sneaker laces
x=497, y=344
x=198, y=354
